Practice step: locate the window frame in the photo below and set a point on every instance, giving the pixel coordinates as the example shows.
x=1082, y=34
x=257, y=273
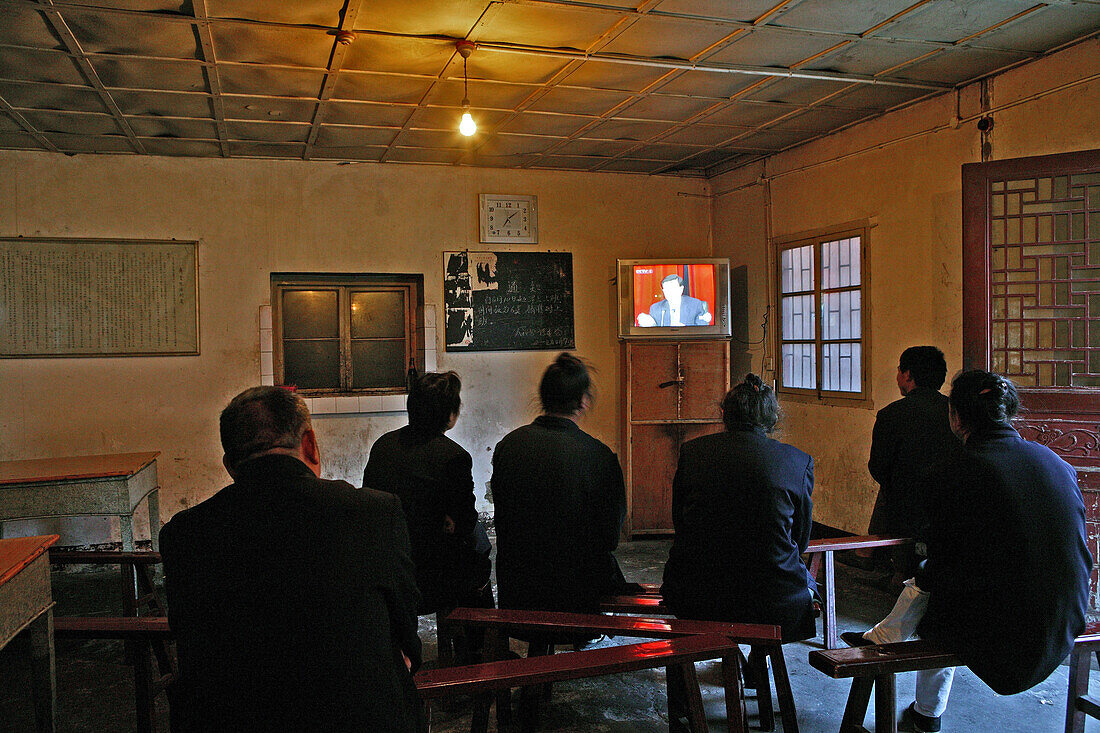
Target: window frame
x=412, y=285
x=817, y=238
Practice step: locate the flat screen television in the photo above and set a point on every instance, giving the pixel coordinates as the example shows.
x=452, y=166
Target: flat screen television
x=674, y=298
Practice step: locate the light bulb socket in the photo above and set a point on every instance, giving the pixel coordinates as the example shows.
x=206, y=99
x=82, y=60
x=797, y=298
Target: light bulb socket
x=465, y=48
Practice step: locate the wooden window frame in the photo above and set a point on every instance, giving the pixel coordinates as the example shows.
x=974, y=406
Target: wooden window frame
x=344, y=283
x=817, y=238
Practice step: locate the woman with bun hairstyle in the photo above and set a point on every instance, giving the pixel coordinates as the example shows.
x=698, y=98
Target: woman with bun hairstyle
x=432, y=475
x=1005, y=584
x=742, y=512
x=560, y=502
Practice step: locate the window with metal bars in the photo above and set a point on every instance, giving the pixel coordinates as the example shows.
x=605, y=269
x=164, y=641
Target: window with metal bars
x=346, y=334
x=823, y=324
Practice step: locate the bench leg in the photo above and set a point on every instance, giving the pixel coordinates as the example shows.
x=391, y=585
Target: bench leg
x=758, y=664
x=856, y=708
x=1079, y=660
x=828, y=617
x=138, y=651
x=783, y=690
x=886, y=705
x=736, y=715
x=697, y=718
x=38, y=640
x=444, y=640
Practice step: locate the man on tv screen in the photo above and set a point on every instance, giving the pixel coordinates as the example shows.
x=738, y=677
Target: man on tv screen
x=676, y=309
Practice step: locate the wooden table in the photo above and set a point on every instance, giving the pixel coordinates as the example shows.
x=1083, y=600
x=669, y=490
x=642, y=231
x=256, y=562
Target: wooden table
x=106, y=485
x=26, y=616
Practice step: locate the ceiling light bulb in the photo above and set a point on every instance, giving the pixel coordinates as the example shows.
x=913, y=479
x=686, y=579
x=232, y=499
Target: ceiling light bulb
x=467, y=126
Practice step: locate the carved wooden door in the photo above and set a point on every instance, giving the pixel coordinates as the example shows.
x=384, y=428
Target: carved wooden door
x=1031, y=301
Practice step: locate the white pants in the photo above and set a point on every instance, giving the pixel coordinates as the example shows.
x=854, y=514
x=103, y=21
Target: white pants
x=933, y=685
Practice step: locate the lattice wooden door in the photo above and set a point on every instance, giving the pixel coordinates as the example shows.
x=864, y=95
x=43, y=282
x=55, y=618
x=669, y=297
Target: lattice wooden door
x=1031, y=301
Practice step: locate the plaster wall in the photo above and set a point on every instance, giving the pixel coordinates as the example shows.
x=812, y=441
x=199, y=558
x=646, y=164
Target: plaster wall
x=901, y=173
x=255, y=217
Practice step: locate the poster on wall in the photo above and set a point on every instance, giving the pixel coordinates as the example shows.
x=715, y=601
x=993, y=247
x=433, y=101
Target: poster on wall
x=508, y=301
x=98, y=297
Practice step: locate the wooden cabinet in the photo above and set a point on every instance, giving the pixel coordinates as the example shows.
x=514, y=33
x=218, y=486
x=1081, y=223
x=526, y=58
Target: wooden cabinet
x=672, y=392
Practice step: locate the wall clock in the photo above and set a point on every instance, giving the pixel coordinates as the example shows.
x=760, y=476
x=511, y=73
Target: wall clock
x=508, y=218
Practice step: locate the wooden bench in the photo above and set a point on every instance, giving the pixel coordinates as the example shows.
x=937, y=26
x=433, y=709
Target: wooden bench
x=483, y=679
x=1078, y=701
x=653, y=605
x=138, y=591
x=500, y=623
x=143, y=635
x=874, y=667
x=821, y=552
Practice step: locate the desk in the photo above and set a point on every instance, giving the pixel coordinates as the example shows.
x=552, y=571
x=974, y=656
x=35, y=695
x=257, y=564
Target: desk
x=26, y=616
x=108, y=485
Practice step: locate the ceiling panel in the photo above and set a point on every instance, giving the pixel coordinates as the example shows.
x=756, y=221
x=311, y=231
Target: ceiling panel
x=557, y=84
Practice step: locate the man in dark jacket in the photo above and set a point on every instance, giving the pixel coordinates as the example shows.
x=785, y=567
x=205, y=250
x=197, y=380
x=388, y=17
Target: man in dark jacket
x=910, y=436
x=293, y=599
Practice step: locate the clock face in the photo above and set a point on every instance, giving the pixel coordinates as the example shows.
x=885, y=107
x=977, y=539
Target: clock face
x=509, y=218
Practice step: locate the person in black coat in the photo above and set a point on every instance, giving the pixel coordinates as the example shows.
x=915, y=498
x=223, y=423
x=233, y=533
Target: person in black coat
x=1005, y=584
x=432, y=475
x=911, y=435
x=292, y=598
x=742, y=512
x=560, y=503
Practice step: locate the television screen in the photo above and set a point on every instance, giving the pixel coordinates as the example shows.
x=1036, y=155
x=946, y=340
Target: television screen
x=672, y=297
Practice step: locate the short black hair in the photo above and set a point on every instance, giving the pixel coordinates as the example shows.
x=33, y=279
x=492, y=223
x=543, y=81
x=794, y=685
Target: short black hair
x=259, y=419
x=433, y=398
x=983, y=400
x=751, y=404
x=925, y=364
x=564, y=385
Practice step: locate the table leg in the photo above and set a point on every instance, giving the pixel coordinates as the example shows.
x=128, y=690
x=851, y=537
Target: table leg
x=1079, y=660
x=43, y=672
x=126, y=529
x=694, y=699
x=736, y=718
x=154, y=518
x=828, y=620
x=783, y=690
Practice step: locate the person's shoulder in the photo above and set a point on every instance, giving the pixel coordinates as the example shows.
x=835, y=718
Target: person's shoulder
x=789, y=451
x=706, y=442
x=451, y=450
x=345, y=496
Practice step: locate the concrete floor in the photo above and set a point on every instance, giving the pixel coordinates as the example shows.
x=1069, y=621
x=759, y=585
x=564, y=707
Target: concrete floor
x=95, y=686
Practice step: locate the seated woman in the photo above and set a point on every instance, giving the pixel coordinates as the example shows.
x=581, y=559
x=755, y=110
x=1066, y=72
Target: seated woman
x=432, y=475
x=741, y=508
x=560, y=503
x=1006, y=581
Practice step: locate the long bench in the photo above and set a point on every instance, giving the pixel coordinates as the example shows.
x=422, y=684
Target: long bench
x=821, y=552
x=1079, y=702
x=137, y=590
x=483, y=679
x=500, y=623
x=873, y=668
x=146, y=637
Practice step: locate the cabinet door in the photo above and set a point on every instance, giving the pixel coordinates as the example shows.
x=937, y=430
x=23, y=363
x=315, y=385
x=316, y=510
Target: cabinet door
x=651, y=365
x=654, y=452
x=705, y=370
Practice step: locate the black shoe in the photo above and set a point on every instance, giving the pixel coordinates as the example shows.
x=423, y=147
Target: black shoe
x=918, y=722
x=855, y=638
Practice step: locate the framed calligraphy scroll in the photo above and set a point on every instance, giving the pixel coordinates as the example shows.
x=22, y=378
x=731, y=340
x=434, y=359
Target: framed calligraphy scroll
x=98, y=297
x=508, y=301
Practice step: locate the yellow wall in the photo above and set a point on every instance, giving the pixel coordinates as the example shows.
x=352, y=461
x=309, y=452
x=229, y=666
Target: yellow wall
x=902, y=172
x=255, y=217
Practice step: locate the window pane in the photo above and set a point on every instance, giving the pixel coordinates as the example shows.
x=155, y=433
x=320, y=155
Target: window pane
x=378, y=364
x=798, y=317
x=378, y=314
x=840, y=367
x=312, y=364
x=798, y=366
x=796, y=269
x=840, y=263
x=840, y=317
x=310, y=314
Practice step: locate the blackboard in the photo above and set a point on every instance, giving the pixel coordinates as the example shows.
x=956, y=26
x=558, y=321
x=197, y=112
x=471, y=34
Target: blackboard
x=508, y=301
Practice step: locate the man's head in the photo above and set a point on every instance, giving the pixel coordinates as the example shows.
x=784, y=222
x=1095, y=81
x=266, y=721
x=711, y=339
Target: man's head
x=265, y=420
x=434, y=401
x=921, y=366
x=673, y=287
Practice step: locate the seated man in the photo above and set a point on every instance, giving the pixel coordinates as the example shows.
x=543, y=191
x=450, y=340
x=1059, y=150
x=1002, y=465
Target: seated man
x=292, y=598
x=676, y=309
x=1006, y=581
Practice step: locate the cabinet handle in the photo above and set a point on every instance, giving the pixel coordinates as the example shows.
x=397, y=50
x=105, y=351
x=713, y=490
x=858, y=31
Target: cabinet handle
x=670, y=382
